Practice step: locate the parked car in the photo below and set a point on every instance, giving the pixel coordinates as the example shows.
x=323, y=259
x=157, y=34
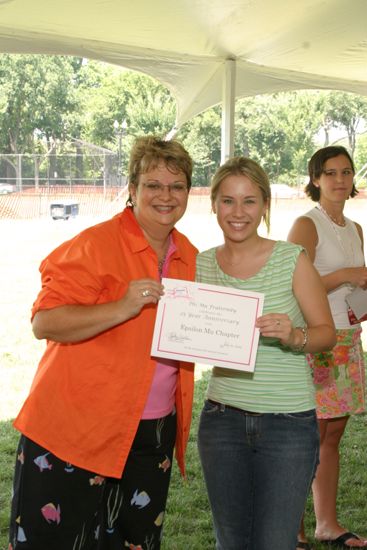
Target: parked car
x=63, y=210
x=6, y=188
x=284, y=191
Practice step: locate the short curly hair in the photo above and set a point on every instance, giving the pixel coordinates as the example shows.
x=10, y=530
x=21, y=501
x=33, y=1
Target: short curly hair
x=148, y=151
x=316, y=165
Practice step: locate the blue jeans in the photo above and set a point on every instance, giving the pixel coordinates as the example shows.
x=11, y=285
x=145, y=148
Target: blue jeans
x=258, y=470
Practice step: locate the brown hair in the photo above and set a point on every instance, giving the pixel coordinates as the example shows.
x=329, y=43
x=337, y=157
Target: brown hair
x=316, y=166
x=148, y=151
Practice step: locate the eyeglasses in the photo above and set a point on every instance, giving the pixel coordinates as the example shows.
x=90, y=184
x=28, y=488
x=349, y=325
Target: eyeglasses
x=158, y=188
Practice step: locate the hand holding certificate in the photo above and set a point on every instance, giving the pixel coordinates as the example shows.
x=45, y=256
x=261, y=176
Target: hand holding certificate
x=207, y=324
x=357, y=305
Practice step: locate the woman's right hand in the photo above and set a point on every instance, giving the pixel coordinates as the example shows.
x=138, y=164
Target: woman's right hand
x=140, y=293
x=75, y=322
x=357, y=276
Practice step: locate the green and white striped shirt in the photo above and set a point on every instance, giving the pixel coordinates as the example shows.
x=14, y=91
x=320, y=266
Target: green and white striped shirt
x=282, y=379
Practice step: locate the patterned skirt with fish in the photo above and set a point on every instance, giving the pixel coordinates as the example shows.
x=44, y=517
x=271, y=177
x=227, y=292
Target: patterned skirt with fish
x=58, y=506
x=339, y=376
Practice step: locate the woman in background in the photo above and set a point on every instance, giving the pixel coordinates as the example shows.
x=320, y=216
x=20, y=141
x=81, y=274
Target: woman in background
x=334, y=244
x=258, y=438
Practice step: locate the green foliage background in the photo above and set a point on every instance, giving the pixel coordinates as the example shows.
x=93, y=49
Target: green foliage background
x=47, y=100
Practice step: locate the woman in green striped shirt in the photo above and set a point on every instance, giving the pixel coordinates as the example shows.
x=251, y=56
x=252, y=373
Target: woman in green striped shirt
x=258, y=438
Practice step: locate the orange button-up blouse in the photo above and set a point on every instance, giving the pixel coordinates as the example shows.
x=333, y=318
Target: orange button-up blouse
x=87, y=398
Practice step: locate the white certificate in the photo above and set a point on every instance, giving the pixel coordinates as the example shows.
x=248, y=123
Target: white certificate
x=207, y=324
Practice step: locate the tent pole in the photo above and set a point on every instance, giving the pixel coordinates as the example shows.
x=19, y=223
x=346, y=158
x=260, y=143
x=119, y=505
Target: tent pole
x=228, y=103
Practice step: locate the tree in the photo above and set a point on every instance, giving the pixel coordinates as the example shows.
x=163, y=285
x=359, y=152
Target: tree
x=45, y=100
x=201, y=137
x=346, y=111
x=37, y=93
x=144, y=103
x=360, y=160
x=278, y=132
x=37, y=102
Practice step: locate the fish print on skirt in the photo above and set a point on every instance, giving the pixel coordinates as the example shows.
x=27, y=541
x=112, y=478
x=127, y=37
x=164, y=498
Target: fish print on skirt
x=96, y=480
x=69, y=468
x=132, y=546
x=42, y=462
x=159, y=519
x=51, y=513
x=21, y=457
x=21, y=535
x=165, y=464
x=140, y=500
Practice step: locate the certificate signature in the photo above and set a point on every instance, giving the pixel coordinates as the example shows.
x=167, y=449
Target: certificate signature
x=207, y=324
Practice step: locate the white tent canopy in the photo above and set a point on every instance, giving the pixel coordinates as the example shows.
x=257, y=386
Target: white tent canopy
x=204, y=51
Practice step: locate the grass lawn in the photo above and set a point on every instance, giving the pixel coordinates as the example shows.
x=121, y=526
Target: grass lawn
x=188, y=520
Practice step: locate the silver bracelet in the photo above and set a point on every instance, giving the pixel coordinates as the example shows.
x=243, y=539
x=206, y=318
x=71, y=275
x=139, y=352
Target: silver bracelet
x=300, y=348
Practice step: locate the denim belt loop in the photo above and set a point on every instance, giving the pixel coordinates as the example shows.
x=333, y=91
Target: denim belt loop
x=223, y=407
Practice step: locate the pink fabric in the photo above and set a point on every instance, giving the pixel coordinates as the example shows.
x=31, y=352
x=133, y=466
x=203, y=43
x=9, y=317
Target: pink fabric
x=161, y=398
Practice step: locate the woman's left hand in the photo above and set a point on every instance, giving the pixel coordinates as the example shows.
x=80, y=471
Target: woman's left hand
x=276, y=325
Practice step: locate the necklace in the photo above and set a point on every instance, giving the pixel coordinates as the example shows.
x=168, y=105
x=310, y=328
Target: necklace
x=161, y=264
x=334, y=220
x=163, y=259
x=348, y=251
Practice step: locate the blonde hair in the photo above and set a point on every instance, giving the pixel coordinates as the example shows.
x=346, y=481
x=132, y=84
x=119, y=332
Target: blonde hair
x=238, y=166
x=148, y=151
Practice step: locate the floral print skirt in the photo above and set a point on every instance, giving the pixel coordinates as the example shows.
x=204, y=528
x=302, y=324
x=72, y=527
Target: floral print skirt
x=339, y=376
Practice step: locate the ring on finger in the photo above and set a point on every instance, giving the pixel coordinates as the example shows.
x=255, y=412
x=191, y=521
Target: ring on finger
x=145, y=293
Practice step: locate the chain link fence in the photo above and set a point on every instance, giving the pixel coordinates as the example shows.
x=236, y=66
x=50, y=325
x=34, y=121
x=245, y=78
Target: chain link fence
x=90, y=177
x=34, y=171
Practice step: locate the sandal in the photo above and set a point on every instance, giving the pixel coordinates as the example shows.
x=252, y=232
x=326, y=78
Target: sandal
x=341, y=541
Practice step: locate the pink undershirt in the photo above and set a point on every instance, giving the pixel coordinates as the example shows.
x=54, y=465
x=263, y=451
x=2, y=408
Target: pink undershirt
x=161, y=398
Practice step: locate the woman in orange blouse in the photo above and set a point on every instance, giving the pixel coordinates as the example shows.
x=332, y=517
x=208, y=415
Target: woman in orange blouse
x=103, y=417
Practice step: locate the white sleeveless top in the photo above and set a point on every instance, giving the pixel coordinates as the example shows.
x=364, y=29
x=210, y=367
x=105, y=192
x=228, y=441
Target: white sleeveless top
x=337, y=247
